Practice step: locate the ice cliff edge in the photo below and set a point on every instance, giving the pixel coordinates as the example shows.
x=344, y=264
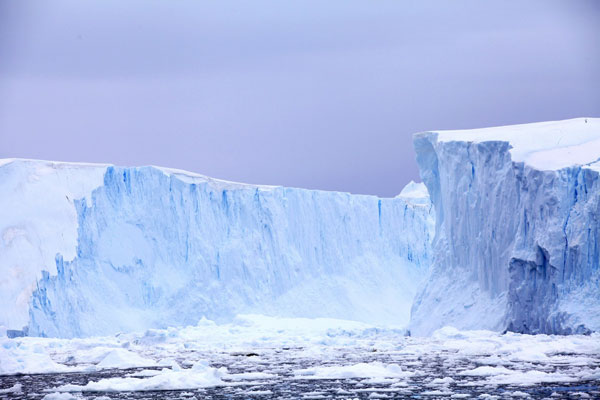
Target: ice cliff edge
x=517, y=242
x=96, y=249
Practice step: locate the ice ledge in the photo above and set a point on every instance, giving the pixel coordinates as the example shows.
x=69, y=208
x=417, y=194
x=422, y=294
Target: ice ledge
x=186, y=176
x=182, y=175
x=552, y=145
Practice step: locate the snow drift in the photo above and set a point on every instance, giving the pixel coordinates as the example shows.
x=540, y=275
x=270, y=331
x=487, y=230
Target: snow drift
x=122, y=249
x=517, y=241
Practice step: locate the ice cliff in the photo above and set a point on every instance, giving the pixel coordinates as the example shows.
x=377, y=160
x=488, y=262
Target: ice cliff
x=96, y=249
x=517, y=241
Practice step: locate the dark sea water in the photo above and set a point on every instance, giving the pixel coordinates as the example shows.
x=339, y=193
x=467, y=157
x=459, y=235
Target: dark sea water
x=287, y=386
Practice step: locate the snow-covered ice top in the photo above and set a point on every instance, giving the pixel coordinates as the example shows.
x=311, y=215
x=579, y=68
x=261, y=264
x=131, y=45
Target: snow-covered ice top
x=192, y=177
x=548, y=145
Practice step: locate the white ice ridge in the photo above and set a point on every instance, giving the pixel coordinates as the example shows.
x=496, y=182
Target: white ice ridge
x=98, y=249
x=551, y=145
x=517, y=242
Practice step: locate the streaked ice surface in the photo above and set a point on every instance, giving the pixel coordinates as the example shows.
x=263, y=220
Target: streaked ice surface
x=95, y=249
x=258, y=356
x=517, y=242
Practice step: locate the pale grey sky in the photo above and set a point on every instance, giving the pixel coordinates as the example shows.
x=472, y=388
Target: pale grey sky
x=315, y=94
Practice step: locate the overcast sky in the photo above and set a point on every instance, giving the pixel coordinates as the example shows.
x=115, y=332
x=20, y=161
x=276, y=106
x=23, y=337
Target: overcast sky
x=323, y=94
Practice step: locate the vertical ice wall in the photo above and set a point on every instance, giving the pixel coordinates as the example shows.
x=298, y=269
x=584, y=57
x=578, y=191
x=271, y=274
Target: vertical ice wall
x=517, y=242
x=37, y=220
x=157, y=248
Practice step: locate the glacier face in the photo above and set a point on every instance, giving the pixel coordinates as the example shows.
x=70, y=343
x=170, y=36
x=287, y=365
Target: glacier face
x=96, y=249
x=158, y=248
x=517, y=242
x=38, y=219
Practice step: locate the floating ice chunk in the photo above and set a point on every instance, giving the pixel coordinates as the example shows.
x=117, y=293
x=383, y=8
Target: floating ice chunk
x=121, y=358
x=146, y=373
x=362, y=370
x=198, y=376
x=16, y=388
x=257, y=392
x=436, y=393
x=441, y=381
x=59, y=396
x=487, y=371
x=529, y=378
x=250, y=376
x=375, y=395
x=582, y=395
x=518, y=393
x=29, y=359
x=169, y=362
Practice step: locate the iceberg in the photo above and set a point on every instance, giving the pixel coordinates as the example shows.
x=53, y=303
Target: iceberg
x=92, y=250
x=517, y=237
x=503, y=235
